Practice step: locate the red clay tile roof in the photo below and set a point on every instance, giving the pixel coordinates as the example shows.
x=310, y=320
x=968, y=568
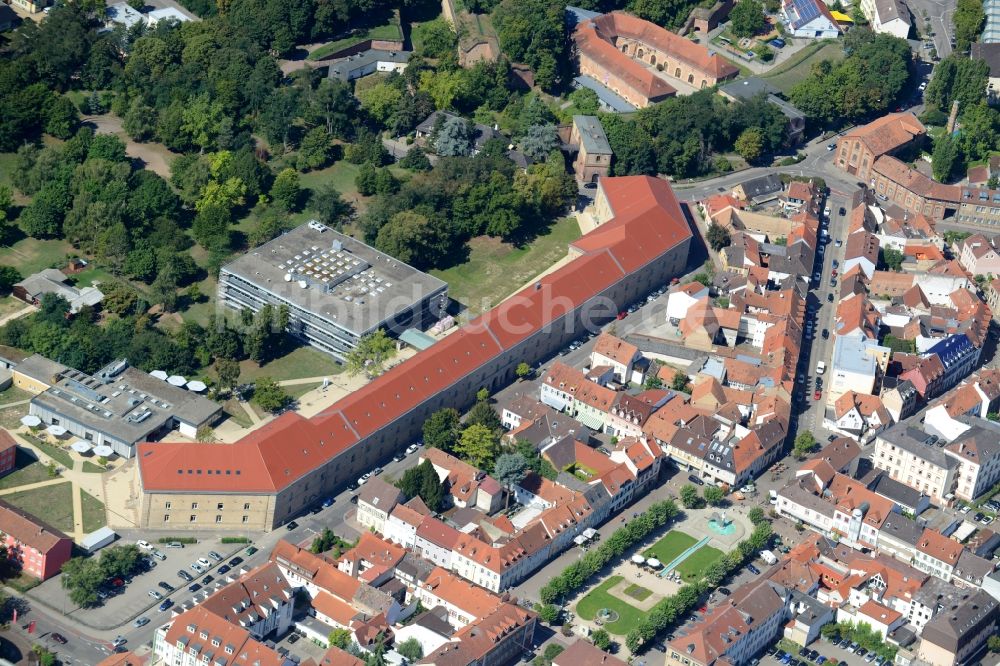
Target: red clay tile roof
x=888, y=133
x=940, y=547
x=615, y=349
x=644, y=81
x=620, y=24
x=277, y=454
x=916, y=182
x=27, y=529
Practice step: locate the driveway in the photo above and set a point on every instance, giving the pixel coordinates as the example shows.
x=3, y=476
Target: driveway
x=153, y=156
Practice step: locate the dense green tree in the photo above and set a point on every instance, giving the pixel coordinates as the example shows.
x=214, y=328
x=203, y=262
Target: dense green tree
x=453, y=137
x=533, y=32
x=747, y=18
x=286, y=190
x=717, y=237
x=340, y=638
x=946, y=159
x=805, y=443
x=371, y=354
x=441, y=429
x=714, y=495
x=269, y=396
x=422, y=481
x=957, y=79
x=9, y=276
x=690, y=498
x=508, y=470
x=316, y=149
x=968, y=20
x=750, y=144
x=478, y=445
x=329, y=206
x=411, y=649
x=415, y=160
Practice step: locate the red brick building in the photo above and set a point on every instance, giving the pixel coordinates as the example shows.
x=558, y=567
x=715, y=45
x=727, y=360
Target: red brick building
x=40, y=548
x=8, y=452
x=858, y=149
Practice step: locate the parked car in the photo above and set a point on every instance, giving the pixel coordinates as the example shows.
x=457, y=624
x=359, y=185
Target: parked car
x=377, y=471
x=167, y=603
x=842, y=211
x=829, y=298
x=185, y=575
x=411, y=449
x=251, y=550
x=235, y=562
x=159, y=555
x=754, y=570
x=777, y=43
x=817, y=395
x=194, y=587
x=207, y=580
x=291, y=526
x=165, y=586
x=835, y=263
x=399, y=457
x=156, y=595
x=214, y=555
x=144, y=545
x=693, y=478
x=838, y=242
x=58, y=638
x=197, y=567
x=826, y=334
x=119, y=641
x=223, y=569
x=140, y=622
x=175, y=544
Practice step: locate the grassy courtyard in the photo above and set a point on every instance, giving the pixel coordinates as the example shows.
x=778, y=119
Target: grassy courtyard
x=51, y=504
x=494, y=270
x=30, y=255
x=693, y=568
x=628, y=616
x=94, y=517
x=670, y=546
x=27, y=470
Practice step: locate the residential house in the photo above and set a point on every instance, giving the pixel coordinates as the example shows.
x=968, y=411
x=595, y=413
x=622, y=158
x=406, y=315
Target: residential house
x=861, y=250
x=594, y=154
x=888, y=17
x=8, y=453
x=376, y=501
x=857, y=415
x=809, y=19
x=466, y=485
x=977, y=451
x=54, y=281
x=856, y=365
x=583, y=653
x=620, y=355
x=760, y=189
x=990, y=53
x=494, y=640
x=978, y=255
x=937, y=554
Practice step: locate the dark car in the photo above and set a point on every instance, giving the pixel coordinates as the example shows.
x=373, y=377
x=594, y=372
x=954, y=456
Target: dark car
x=826, y=334
x=207, y=579
x=725, y=591
x=165, y=586
x=352, y=486
x=777, y=43
x=842, y=211
x=803, y=652
x=194, y=587
x=659, y=647
x=399, y=457
x=829, y=298
x=831, y=438
x=236, y=561
x=167, y=603
x=223, y=569
x=354, y=499
x=754, y=570
x=59, y=638
x=185, y=575
x=695, y=479
x=291, y=526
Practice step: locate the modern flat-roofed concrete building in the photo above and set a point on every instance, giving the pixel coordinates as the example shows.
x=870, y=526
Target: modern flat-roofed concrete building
x=120, y=406
x=337, y=289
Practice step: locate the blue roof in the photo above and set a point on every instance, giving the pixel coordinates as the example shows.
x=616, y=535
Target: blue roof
x=609, y=98
x=417, y=339
x=952, y=349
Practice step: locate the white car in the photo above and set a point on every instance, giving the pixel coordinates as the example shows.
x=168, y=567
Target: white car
x=922, y=86
x=145, y=545
x=411, y=449
x=826, y=211
x=204, y=563
x=156, y=595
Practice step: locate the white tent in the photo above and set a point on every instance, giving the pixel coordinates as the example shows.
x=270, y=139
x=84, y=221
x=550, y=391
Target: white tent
x=590, y=533
x=196, y=386
x=159, y=374
x=31, y=421
x=80, y=446
x=104, y=451
x=56, y=430
x=579, y=540
x=638, y=559
x=176, y=380
x=653, y=562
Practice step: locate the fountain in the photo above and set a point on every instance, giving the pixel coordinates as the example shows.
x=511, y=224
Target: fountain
x=605, y=616
x=721, y=524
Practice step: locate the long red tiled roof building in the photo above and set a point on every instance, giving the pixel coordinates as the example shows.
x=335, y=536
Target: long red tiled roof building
x=279, y=469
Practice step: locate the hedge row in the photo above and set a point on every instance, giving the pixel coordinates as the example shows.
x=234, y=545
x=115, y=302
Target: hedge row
x=178, y=539
x=575, y=575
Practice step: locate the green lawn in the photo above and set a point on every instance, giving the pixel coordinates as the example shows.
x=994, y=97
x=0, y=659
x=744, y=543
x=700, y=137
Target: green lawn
x=30, y=255
x=51, y=504
x=9, y=305
x=495, y=270
x=6, y=167
x=94, y=516
x=56, y=453
x=27, y=470
x=93, y=468
x=11, y=418
x=232, y=409
x=785, y=76
x=628, y=616
x=86, y=278
x=388, y=30
x=694, y=566
x=13, y=394
x=670, y=546
x=300, y=363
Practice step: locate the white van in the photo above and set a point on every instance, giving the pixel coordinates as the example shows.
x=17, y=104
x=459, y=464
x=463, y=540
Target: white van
x=768, y=557
x=820, y=367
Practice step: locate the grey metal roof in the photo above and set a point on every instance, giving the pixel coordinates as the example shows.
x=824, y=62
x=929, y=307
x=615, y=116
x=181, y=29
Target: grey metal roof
x=40, y=368
x=920, y=444
x=959, y=622
x=592, y=135
x=610, y=100
x=748, y=88
x=901, y=494
x=901, y=528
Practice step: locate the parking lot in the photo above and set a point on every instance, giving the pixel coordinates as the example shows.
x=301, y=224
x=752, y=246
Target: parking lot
x=828, y=655
x=132, y=598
